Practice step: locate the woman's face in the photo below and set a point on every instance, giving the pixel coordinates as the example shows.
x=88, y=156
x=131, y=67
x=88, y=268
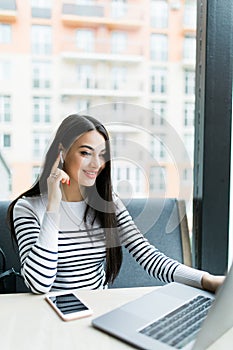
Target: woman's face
x=86, y=158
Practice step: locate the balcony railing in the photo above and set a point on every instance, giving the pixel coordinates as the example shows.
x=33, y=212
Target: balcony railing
x=103, y=9
x=110, y=87
x=100, y=47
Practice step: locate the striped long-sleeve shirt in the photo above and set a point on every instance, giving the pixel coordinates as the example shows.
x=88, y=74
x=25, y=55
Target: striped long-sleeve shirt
x=60, y=251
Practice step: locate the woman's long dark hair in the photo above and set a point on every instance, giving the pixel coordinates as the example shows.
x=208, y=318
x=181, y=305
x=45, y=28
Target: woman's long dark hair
x=98, y=197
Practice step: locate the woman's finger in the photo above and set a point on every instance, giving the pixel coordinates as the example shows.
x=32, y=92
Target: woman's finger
x=55, y=165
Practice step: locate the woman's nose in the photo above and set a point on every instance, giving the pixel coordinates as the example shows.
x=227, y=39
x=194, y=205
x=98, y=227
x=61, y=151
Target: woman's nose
x=95, y=162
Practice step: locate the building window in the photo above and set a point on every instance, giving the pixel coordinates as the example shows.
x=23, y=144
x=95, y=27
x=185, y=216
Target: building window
x=5, y=108
x=187, y=175
x=35, y=173
x=157, y=178
x=189, y=77
x=158, y=80
x=41, y=3
x=118, y=77
x=160, y=110
x=41, y=109
x=6, y=140
x=85, y=40
x=189, y=144
x=118, y=8
x=5, y=33
x=189, y=113
x=41, y=39
x=85, y=77
x=40, y=143
x=41, y=8
x=158, y=47
x=190, y=48
x=159, y=13
x=118, y=42
x=190, y=13
x=158, y=146
x=83, y=105
x=41, y=75
x=5, y=70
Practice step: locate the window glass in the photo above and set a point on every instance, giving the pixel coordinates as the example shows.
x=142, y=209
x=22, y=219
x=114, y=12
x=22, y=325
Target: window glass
x=41, y=109
x=5, y=33
x=5, y=108
x=189, y=47
x=158, y=80
x=41, y=39
x=85, y=40
x=118, y=42
x=157, y=179
x=159, y=47
x=159, y=13
x=41, y=74
x=5, y=69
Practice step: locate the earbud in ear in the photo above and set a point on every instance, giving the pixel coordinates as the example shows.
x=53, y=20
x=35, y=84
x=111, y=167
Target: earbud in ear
x=61, y=157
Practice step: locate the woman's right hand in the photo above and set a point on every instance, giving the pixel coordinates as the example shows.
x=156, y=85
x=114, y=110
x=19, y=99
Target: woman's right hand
x=54, y=190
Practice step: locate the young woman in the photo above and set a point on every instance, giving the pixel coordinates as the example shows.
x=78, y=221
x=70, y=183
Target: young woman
x=70, y=225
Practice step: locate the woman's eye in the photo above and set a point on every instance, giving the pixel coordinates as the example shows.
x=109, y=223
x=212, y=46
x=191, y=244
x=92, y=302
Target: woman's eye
x=85, y=153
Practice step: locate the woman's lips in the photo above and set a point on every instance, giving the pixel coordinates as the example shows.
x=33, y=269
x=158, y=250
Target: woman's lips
x=90, y=174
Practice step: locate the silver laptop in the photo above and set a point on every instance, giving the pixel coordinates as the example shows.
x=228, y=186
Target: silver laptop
x=174, y=316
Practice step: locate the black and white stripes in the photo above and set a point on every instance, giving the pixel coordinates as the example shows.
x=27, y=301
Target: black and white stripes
x=61, y=252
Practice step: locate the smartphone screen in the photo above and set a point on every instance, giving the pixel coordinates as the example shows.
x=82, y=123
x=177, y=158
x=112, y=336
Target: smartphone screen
x=68, y=306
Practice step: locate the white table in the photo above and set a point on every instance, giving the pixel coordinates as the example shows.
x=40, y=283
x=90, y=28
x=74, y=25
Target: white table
x=27, y=322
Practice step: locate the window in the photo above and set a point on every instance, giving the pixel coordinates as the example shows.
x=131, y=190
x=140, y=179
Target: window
x=157, y=147
x=85, y=40
x=41, y=39
x=83, y=105
x=5, y=33
x=189, y=144
x=189, y=114
x=6, y=140
x=41, y=3
x=190, y=14
x=35, y=173
x=5, y=108
x=41, y=8
x=158, y=47
x=127, y=178
x=190, y=48
x=41, y=75
x=40, y=142
x=159, y=13
x=118, y=42
x=85, y=77
x=160, y=109
x=189, y=76
x=5, y=70
x=118, y=8
x=158, y=80
x=187, y=175
x=157, y=178
x=41, y=109
x=118, y=77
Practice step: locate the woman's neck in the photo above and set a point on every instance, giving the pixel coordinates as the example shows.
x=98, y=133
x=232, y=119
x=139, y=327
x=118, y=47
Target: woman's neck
x=71, y=193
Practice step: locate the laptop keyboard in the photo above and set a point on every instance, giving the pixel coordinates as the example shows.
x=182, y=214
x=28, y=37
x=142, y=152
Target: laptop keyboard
x=180, y=326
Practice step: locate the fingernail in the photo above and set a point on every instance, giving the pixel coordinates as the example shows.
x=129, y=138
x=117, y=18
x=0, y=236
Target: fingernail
x=63, y=181
x=68, y=182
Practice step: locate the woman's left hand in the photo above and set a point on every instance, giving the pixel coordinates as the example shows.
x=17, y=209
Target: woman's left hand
x=211, y=282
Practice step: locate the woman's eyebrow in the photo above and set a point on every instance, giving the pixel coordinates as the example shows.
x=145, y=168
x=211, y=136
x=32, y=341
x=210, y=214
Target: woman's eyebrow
x=86, y=146
x=91, y=148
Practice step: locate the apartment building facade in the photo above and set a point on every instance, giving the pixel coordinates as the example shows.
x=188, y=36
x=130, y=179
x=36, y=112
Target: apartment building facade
x=129, y=63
